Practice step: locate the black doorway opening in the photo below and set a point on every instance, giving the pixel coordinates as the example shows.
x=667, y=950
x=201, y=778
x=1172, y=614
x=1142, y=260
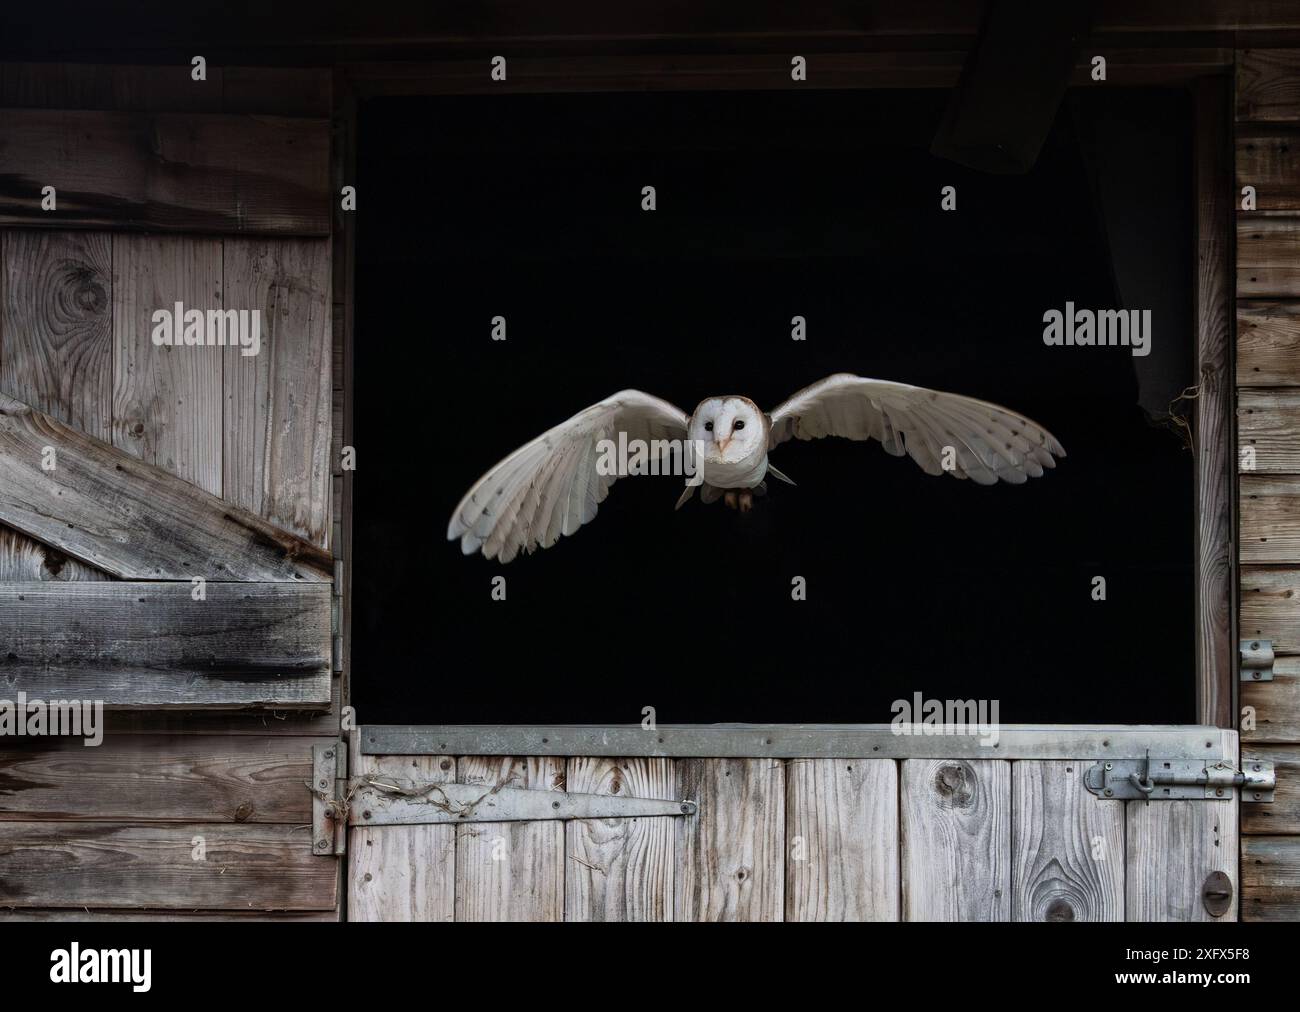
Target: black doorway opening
x=771, y=205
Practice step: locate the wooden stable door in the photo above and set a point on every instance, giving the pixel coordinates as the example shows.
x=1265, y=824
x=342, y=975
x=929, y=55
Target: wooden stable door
x=799, y=839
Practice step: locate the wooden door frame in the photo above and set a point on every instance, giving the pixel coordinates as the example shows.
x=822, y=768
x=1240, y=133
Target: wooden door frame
x=1207, y=72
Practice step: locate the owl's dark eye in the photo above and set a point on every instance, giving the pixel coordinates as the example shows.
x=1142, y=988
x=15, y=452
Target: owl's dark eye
x=708, y=426
x=740, y=424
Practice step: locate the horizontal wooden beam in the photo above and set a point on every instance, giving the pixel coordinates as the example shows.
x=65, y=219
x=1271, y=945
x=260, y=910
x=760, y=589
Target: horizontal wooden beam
x=132, y=519
x=1266, y=159
x=1268, y=344
x=99, y=865
x=1270, y=878
x=1268, y=85
x=1267, y=423
x=794, y=741
x=133, y=644
x=158, y=778
x=172, y=172
x=1269, y=511
x=1267, y=264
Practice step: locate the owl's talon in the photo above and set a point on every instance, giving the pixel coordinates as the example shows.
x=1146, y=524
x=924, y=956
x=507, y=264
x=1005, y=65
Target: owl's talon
x=746, y=501
x=730, y=499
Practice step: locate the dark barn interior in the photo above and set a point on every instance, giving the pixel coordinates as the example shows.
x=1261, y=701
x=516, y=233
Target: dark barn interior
x=771, y=205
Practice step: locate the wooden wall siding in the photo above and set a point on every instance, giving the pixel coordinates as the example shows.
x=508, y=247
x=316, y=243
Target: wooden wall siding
x=172, y=172
x=799, y=840
x=110, y=864
x=1268, y=377
x=279, y=403
x=132, y=519
x=151, y=644
x=118, y=822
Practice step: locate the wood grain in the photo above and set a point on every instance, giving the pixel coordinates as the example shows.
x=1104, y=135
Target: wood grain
x=841, y=840
x=1268, y=258
x=1215, y=649
x=730, y=855
x=167, y=400
x=171, y=172
x=21, y=558
x=131, y=519
x=1268, y=343
x=1268, y=85
x=510, y=871
x=276, y=449
x=1067, y=847
x=1270, y=519
x=158, y=778
x=1283, y=815
x=1268, y=421
x=1270, y=607
x=1266, y=160
x=619, y=869
x=1275, y=704
x=150, y=644
x=403, y=873
x=1172, y=847
x=102, y=865
x=956, y=840
x=56, y=325
x=1270, y=878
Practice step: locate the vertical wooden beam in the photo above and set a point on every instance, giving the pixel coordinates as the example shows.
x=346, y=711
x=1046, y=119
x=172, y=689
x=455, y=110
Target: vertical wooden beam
x=619, y=869
x=1215, y=408
x=841, y=836
x=956, y=829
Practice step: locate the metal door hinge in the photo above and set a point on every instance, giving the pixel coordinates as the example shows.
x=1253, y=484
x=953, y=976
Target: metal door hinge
x=1256, y=660
x=1177, y=779
x=387, y=801
x=329, y=805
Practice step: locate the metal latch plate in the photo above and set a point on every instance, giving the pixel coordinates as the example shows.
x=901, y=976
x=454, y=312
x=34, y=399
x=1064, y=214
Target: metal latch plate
x=1256, y=660
x=1179, y=779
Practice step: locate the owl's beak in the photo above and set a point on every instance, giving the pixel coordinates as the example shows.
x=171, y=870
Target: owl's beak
x=722, y=444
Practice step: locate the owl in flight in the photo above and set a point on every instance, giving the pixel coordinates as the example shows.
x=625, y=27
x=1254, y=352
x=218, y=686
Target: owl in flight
x=552, y=486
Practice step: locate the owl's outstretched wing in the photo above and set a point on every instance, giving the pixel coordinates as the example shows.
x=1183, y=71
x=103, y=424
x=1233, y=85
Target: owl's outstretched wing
x=988, y=442
x=551, y=486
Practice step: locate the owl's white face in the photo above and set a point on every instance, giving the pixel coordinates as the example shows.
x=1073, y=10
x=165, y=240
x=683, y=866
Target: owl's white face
x=731, y=429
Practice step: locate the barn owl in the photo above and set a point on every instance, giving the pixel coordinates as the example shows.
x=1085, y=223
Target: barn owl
x=552, y=486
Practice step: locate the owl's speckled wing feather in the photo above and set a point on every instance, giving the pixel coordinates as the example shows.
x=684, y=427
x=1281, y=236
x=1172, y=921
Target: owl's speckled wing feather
x=989, y=442
x=551, y=487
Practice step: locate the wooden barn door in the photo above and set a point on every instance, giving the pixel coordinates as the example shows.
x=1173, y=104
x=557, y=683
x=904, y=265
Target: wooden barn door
x=166, y=527
x=803, y=839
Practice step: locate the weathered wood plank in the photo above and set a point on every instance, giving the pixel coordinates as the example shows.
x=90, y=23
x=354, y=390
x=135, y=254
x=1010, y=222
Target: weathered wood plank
x=1269, y=519
x=1172, y=847
x=165, y=867
x=21, y=558
x=277, y=455
x=1268, y=344
x=956, y=840
x=841, y=840
x=1067, y=847
x=1268, y=85
x=233, y=722
x=1268, y=258
x=1283, y=815
x=1270, y=607
x=173, y=172
x=1267, y=423
x=510, y=871
x=278, y=91
x=1215, y=650
x=126, y=88
x=56, y=325
x=730, y=856
x=151, y=644
x=131, y=519
x=619, y=869
x=1275, y=705
x=403, y=873
x=1270, y=878
x=157, y=778
x=81, y=915
x=1266, y=160
x=167, y=399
